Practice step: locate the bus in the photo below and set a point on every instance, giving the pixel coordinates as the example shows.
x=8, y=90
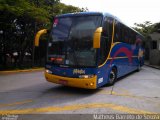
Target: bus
x=90, y=49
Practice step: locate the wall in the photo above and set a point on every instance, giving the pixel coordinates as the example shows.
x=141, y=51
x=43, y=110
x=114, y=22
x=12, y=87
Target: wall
x=154, y=58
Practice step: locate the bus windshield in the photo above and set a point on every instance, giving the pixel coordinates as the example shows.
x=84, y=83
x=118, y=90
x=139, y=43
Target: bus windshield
x=71, y=41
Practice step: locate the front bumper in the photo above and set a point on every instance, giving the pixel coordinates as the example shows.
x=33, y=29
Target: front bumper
x=88, y=83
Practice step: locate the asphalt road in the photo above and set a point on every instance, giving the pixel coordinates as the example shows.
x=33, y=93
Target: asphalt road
x=30, y=93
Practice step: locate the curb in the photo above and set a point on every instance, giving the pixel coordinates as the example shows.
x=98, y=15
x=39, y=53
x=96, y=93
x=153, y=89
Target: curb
x=17, y=71
x=156, y=67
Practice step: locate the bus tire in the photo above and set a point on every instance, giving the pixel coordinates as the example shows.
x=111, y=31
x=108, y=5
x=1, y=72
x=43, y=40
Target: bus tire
x=112, y=77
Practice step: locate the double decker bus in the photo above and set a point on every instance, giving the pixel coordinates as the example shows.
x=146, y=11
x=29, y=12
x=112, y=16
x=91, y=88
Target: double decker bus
x=90, y=49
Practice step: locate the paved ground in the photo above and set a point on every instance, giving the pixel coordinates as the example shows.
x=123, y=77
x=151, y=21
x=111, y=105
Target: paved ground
x=28, y=93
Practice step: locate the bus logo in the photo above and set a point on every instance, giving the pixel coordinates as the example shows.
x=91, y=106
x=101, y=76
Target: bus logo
x=78, y=71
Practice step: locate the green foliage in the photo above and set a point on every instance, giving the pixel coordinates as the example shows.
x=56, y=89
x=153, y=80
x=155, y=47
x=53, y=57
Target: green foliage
x=62, y=9
x=19, y=21
x=21, y=8
x=147, y=28
x=157, y=27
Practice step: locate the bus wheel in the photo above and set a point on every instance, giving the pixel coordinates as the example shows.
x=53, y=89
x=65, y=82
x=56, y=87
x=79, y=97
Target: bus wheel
x=112, y=77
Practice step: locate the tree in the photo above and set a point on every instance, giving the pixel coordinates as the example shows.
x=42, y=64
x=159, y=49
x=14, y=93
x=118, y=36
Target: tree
x=19, y=21
x=157, y=27
x=146, y=28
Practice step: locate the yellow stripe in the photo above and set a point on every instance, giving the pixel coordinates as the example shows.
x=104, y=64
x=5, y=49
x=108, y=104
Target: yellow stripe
x=121, y=57
x=77, y=107
x=113, y=31
x=112, y=45
x=16, y=71
x=109, y=58
x=16, y=103
x=108, y=54
x=121, y=94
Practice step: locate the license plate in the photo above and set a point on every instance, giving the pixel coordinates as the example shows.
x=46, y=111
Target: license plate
x=63, y=82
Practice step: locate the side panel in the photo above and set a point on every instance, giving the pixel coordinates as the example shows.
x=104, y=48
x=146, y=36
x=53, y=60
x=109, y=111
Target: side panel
x=103, y=74
x=124, y=57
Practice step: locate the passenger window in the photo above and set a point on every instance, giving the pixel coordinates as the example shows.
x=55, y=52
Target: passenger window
x=106, y=39
x=126, y=37
x=117, y=32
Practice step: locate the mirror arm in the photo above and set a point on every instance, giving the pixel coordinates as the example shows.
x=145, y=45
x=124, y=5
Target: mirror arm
x=97, y=38
x=39, y=33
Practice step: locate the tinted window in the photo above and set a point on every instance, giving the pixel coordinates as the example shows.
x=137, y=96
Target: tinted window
x=106, y=39
x=117, y=32
x=61, y=28
x=133, y=37
x=71, y=41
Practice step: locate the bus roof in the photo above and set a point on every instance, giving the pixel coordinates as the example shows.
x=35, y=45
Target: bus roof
x=80, y=13
x=89, y=13
x=96, y=13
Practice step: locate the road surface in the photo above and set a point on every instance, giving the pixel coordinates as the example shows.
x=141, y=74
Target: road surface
x=30, y=93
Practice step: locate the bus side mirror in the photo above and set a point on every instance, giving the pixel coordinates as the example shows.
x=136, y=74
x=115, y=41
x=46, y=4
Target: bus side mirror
x=38, y=35
x=97, y=38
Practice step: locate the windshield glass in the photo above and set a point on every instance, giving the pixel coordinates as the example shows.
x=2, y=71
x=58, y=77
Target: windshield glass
x=71, y=41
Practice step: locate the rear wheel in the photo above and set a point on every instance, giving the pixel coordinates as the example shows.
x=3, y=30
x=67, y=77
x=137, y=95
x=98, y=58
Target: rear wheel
x=112, y=77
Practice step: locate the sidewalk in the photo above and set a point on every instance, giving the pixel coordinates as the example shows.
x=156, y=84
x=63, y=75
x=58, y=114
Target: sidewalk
x=17, y=71
x=153, y=66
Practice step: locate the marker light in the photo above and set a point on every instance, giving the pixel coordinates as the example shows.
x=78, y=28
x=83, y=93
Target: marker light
x=48, y=71
x=86, y=76
x=56, y=59
x=91, y=84
x=52, y=59
x=55, y=22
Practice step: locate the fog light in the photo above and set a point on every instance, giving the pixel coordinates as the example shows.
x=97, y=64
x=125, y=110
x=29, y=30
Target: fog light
x=91, y=84
x=48, y=71
x=86, y=76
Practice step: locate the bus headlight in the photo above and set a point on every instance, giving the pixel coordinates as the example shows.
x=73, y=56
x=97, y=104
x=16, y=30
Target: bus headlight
x=48, y=71
x=86, y=76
